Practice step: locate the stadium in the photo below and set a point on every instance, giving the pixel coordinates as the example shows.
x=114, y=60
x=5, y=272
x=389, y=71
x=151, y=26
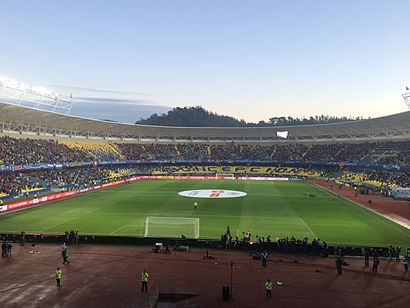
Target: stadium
x=317, y=190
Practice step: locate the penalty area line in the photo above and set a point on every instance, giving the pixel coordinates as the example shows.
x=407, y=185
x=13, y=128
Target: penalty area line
x=123, y=226
x=307, y=227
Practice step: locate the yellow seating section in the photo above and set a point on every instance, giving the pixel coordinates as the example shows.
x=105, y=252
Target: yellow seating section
x=119, y=172
x=363, y=178
x=95, y=149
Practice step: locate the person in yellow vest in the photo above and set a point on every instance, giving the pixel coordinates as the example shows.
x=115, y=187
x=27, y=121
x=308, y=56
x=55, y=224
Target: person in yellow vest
x=58, y=275
x=268, y=287
x=195, y=205
x=144, y=281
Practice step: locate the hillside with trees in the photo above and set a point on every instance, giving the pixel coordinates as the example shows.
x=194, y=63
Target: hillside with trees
x=199, y=117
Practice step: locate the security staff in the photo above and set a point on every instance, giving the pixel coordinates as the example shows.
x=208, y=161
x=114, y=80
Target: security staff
x=144, y=281
x=58, y=275
x=268, y=287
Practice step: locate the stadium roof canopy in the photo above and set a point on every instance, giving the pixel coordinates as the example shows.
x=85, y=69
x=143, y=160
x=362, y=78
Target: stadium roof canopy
x=30, y=121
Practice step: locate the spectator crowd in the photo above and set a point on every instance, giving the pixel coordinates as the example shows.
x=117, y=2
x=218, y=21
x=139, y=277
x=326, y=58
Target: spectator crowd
x=40, y=151
x=12, y=183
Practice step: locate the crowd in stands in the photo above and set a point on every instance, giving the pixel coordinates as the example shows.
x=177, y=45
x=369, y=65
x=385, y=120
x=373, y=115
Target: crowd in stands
x=12, y=183
x=378, y=178
x=17, y=183
x=346, y=152
x=37, y=151
x=62, y=177
x=99, y=151
x=148, y=152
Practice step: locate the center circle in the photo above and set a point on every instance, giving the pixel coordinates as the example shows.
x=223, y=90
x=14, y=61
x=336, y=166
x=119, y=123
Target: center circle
x=212, y=193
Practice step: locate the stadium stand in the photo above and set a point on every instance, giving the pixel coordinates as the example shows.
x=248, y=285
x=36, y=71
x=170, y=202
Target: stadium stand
x=100, y=151
x=37, y=151
x=378, y=178
x=236, y=170
x=15, y=183
x=356, y=151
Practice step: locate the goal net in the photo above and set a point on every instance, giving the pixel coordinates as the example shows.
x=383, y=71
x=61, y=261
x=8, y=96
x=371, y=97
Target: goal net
x=171, y=227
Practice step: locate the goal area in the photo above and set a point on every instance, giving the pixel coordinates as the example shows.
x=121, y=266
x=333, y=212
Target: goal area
x=171, y=227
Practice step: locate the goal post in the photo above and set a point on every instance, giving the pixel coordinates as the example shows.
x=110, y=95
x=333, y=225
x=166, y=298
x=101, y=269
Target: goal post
x=171, y=227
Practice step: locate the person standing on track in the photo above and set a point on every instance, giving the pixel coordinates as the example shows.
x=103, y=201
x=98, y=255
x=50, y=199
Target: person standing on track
x=58, y=275
x=268, y=287
x=195, y=205
x=63, y=248
x=339, y=264
x=366, y=254
x=406, y=263
x=264, y=258
x=376, y=263
x=65, y=256
x=144, y=281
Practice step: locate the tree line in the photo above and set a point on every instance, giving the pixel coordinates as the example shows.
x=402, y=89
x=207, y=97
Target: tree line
x=199, y=117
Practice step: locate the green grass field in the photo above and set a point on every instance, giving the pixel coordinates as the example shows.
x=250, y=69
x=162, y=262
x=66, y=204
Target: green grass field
x=279, y=209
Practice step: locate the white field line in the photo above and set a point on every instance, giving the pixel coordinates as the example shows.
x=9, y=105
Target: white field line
x=232, y=216
x=53, y=226
x=367, y=210
x=62, y=223
x=307, y=227
x=124, y=226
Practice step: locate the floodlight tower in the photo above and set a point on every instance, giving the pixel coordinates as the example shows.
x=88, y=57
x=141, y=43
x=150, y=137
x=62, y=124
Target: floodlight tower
x=406, y=97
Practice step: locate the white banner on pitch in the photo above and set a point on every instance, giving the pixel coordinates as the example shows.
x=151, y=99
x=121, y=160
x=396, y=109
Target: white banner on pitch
x=212, y=193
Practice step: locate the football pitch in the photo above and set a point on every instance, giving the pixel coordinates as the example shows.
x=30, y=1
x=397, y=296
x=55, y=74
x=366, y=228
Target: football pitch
x=278, y=209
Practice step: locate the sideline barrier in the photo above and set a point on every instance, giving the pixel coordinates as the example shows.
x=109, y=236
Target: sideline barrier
x=56, y=196
x=253, y=249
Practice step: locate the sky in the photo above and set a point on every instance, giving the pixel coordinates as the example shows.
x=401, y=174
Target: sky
x=249, y=59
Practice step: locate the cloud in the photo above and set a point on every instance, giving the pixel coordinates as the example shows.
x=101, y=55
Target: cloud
x=128, y=112
x=98, y=90
x=105, y=100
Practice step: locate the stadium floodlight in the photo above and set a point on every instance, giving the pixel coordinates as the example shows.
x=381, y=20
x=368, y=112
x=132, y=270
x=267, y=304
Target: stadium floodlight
x=406, y=97
x=16, y=93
